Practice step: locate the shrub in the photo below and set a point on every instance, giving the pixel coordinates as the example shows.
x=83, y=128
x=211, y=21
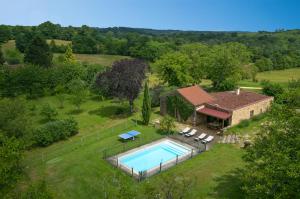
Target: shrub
x=29, y=80
x=272, y=89
x=167, y=125
x=228, y=84
x=243, y=124
x=258, y=117
x=10, y=158
x=14, y=118
x=54, y=131
x=13, y=57
x=71, y=126
x=78, y=91
x=264, y=64
x=48, y=112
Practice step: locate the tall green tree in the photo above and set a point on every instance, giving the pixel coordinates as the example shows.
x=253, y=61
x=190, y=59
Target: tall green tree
x=78, y=91
x=10, y=158
x=273, y=164
x=69, y=57
x=1, y=57
x=38, y=52
x=225, y=67
x=174, y=69
x=199, y=55
x=14, y=118
x=60, y=95
x=23, y=39
x=146, y=109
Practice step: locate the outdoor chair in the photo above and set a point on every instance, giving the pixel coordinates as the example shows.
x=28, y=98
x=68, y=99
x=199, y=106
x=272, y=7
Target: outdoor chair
x=208, y=139
x=193, y=132
x=200, y=137
x=184, y=131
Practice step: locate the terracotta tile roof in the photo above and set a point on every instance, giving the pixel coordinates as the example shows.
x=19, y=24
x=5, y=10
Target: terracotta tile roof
x=214, y=113
x=195, y=95
x=229, y=100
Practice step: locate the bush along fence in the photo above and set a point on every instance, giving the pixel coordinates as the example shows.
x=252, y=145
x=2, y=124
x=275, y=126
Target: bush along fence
x=81, y=141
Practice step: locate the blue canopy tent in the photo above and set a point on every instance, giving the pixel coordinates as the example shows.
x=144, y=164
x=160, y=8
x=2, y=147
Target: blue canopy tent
x=129, y=135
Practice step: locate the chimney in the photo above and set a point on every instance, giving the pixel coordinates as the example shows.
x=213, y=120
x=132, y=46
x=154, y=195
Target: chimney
x=237, y=91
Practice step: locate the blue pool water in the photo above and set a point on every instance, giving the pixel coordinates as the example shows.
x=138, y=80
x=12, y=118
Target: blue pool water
x=150, y=157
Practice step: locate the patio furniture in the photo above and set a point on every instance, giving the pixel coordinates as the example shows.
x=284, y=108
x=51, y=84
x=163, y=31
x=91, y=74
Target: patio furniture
x=129, y=135
x=208, y=139
x=200, y=137
x=213, y=125
x=184, y=131
x=193, y=132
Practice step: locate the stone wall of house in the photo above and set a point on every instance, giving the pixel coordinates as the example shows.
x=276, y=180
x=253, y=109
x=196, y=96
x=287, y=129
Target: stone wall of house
x=244, y=113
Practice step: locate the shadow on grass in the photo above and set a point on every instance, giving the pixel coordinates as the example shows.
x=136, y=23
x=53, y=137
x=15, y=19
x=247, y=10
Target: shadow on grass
x=97, y=98
x=162, y=132
x=157, y=112
x=138, y=122
x=229, y=185
x=75, y=112
x=111, y=111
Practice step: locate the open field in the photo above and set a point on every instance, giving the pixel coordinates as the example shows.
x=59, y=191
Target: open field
x=11, y=44
x=74, y=168
x=59, y=42
x=105, y=60
x=276, y=76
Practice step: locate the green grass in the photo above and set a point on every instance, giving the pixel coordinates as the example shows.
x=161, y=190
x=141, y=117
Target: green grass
x=280, y=76
x=74, y=168
x=277, y=76
x=9, y=45
x=59, y=42
x=248, y=127
x=105, y=60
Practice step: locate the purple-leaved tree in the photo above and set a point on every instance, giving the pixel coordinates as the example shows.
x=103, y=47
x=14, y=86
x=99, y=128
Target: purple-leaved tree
x=124, y=80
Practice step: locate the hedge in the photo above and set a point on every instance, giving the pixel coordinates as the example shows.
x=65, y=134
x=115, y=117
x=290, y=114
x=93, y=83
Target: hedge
x=54, y=131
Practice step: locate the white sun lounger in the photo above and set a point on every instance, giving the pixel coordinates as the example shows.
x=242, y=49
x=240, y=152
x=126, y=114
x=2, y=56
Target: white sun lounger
x=208, y=139
x=193, y=132
x=184, y=131
x=200, y=137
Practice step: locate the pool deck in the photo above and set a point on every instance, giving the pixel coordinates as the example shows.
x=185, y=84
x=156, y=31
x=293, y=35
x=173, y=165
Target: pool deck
x=114, y=160
x=190, y=140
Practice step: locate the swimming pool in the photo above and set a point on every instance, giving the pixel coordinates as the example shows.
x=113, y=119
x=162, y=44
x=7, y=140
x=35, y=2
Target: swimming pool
x=152, y=156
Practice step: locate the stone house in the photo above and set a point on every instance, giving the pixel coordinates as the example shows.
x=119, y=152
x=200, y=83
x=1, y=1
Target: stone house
x=219, y=109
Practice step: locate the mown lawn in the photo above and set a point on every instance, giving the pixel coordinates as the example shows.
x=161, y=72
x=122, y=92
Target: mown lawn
x=74, y=168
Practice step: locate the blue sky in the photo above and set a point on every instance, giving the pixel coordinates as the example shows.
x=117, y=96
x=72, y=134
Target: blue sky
x=244, y=15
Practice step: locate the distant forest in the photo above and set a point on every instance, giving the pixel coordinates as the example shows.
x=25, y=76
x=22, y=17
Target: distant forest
x=269, y=50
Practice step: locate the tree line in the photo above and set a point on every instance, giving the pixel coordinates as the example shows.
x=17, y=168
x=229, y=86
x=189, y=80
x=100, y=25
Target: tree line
x=269, y=50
